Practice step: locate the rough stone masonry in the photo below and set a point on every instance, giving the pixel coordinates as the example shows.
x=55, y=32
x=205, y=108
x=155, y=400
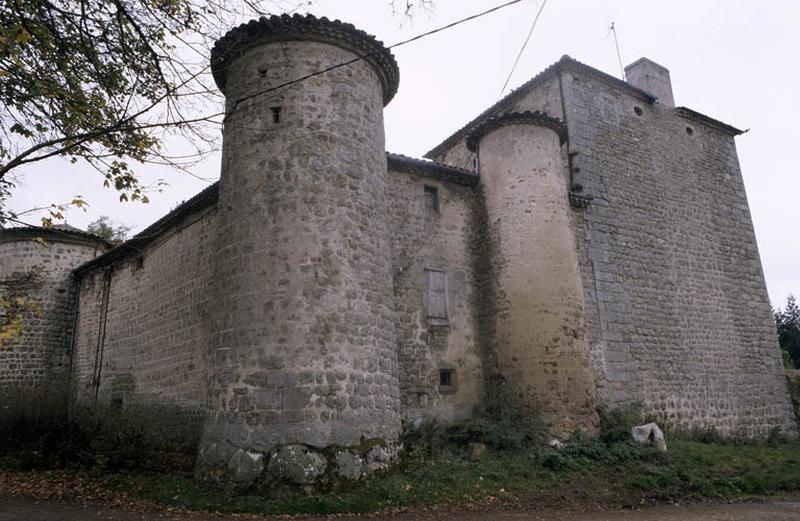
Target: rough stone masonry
x=582, y=242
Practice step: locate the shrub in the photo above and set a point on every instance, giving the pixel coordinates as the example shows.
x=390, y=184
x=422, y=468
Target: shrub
x=40, y=431
x=30, y=413
x=616, y=423
x=506, y=432
x=705, y=435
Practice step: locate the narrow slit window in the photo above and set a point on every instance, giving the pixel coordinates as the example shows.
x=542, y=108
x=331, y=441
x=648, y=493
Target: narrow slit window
x=276, y=114
x=431, y=199
x=437, y=298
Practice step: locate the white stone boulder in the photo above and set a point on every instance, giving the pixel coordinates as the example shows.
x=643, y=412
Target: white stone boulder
x=650, y=433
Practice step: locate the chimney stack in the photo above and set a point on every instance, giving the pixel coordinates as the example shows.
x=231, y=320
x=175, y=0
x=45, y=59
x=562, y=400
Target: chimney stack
x=652, y=78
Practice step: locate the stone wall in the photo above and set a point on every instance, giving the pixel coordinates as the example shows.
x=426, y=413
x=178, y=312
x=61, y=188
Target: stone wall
x=35, y=273
x=424, y=239
x=677, y=311
x=150, y=342
x=685, y=322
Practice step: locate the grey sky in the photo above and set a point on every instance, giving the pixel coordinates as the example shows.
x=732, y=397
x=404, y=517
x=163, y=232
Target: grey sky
x=732, y=60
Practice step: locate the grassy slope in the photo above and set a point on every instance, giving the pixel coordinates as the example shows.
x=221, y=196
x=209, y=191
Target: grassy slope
x=690, y=470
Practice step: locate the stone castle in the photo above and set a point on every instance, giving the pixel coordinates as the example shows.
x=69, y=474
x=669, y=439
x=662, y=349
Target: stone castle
x=582, y=242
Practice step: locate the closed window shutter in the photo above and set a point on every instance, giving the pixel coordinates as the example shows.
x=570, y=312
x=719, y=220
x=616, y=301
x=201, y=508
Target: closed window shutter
x=431, y=199
x=437, y=295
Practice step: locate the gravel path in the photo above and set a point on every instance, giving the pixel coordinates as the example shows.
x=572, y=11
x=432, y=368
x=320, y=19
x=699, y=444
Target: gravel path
x=17, y=509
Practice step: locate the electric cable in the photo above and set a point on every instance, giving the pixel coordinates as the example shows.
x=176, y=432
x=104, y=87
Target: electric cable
x=365, y=56
x=524, y=45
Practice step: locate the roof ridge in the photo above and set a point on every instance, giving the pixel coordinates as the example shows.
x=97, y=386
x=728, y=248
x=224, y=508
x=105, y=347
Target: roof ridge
x=201, y=200
x=564, y=62
x=55, y=232
x=427, y=167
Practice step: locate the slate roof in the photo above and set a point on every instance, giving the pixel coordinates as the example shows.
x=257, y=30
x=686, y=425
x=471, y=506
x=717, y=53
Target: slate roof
x=711, y=122
x=239, y=40
x=427, y=168
x=57, y=233
x=136, y=244
x=141, y=240
x=531, y=118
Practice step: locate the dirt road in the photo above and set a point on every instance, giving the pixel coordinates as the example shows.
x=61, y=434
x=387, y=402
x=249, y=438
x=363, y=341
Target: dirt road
x=15, y=509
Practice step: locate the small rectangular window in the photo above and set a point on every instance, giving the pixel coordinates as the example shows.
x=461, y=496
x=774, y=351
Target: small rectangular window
x=431, y=199
x=446, y=377
x=437, y=298
x=276, y=114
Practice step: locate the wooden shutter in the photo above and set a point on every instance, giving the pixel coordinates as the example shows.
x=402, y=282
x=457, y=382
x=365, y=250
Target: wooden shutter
x=431, y=199
x=437, y=296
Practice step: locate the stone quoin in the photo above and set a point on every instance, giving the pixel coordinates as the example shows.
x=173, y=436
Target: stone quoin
x=582, y=242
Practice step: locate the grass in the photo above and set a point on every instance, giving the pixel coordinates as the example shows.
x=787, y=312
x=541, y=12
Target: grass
x=689, y=471
x=697, y=470
x=147, y=452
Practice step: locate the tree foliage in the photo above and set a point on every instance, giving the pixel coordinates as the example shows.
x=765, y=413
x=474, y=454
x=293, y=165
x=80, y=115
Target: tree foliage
x=787, y=321
x=106, y=81
x=107, y=229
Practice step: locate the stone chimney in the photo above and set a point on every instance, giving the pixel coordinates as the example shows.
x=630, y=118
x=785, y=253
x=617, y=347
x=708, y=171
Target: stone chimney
x=652, y=78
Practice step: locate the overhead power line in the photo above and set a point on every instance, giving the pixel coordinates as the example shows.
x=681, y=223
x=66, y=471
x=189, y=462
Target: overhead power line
x=524, y=45
x=613, y=30
x=365, y=56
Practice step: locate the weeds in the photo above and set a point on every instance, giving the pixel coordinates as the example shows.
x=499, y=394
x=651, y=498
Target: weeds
x=510, y=432
x=616, y=423
x=516, y=468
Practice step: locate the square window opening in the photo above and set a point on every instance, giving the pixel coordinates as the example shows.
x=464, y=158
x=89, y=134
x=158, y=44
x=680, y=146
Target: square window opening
x=446, y=377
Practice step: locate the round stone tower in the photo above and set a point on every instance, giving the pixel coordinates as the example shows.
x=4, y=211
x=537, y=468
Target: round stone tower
x=539, y=330
x=37, y=301
x=303, y=362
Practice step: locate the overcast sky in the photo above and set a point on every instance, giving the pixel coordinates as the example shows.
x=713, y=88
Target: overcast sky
x=733, y=60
